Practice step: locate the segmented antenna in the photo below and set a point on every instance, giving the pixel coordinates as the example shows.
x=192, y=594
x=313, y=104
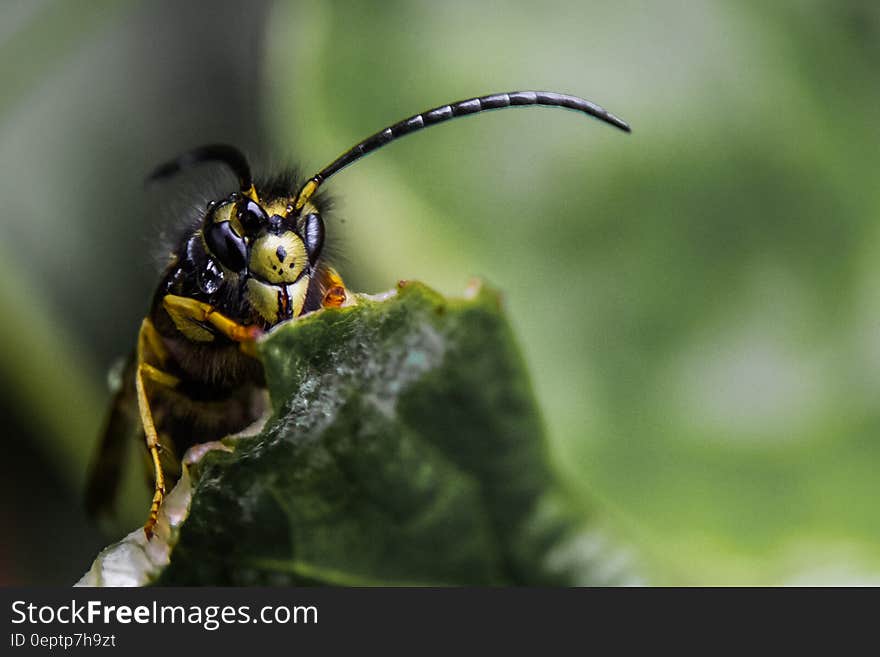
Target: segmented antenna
x=445, y=113
x=223, y=153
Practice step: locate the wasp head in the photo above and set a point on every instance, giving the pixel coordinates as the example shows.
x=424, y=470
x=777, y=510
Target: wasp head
x=272, y=251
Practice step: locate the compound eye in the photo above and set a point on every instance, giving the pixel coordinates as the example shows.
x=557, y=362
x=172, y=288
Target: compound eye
x=312, y=230
x=251, y=216
x=226, y=245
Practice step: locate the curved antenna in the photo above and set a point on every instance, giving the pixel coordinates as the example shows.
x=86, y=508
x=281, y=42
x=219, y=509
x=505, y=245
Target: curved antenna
x=223, y=153
x=445, y=113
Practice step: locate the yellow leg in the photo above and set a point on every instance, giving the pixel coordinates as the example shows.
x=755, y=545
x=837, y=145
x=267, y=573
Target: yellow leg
x=158, y=494
x=158, y=376
x=155, y=344
x=188, y=314
x=146, y=341
x=334, y=296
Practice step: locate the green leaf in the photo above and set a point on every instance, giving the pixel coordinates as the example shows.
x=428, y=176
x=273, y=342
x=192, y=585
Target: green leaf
x=405, y=447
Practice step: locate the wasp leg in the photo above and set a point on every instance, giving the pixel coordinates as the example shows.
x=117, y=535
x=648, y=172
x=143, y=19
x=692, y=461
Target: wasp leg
x=150, y=347
x=156, y=375
x=334, y=289
x=190, y=316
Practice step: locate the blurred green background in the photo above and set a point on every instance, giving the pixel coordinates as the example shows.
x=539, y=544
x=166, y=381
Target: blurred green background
x=699, y=302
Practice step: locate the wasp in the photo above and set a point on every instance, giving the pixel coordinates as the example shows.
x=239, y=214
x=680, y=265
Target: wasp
x=251, y=261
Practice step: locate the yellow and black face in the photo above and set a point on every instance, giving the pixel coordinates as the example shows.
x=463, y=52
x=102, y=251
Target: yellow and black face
x=264, y=255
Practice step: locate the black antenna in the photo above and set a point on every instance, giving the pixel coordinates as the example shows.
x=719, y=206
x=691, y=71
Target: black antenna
x=445, y=113
x=223, y=153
